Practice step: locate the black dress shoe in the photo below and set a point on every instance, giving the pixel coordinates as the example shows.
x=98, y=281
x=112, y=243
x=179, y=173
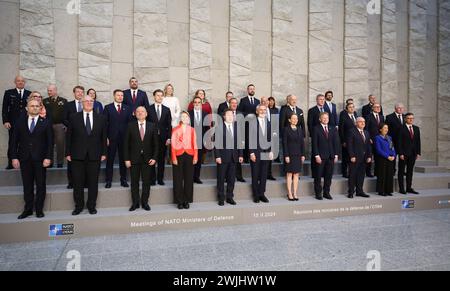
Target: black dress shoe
x=369, y=176
x=198, y=181
x=242, y=180
x=389, y=194
x=221, y=203
x=256, y=200
x=402, y=192
x=93, y=211
x=152, y=183
x=133, y=208
x=9, y=167
x=25, y=214
x=290, y=199
x=77, y=212
x=382, y=194
x=124, y=184
x=327, y=196
x=186, y=205
x=319, y=197
x=70, y=186
x=161, y=183
x=108, y=185
x=412, y=191
x=271, y=178
x=40, y=214
x=363, y=195
x=180, y=206
x=345, y=176
x=231, y=201
x=350, y=196
x=264, y=199
x=146, y=207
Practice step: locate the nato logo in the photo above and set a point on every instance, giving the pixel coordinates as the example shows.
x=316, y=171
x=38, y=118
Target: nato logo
x=408, y=204
x=60, y=230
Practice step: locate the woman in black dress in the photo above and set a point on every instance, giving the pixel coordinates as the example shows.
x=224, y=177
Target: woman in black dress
x=294, y=153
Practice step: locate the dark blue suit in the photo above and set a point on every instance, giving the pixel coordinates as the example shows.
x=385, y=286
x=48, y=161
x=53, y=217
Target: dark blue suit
x=246, y=108
x=116, y=128
x=200, y=131
x=141, y=99
x=334, y=121
x=361, y=149
x=31, y=149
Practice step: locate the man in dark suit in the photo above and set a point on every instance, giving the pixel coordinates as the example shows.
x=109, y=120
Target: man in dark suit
x=395, y=121
x=134, y=97
x=32, y=151
x=117, y=115
x=228, y=155
x=86, y=149
x=225, y=105
x=260, y=149
x=236, y=117
x=347, y=122
x=409, y=150
x=373, y=121
x=270, y=114
x=70, y=109
x=314, y=121
x=325, y=152
x=140, y=154
x=198, y=120
x=14, y=104
x=360, y=152
x=331, y=108
x=247, y=106
x=367, y=109
x=160, y=115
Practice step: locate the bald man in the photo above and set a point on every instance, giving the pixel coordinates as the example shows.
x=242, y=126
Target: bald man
x=14, y=104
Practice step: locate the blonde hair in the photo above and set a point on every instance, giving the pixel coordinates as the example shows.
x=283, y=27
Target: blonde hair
x=165, y=90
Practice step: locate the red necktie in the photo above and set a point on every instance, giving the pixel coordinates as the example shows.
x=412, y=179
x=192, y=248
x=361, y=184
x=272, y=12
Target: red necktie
x=411, y=132
x=142, y=132
x=326, y=131
x=378, y=119
x=363, y=136
x=134, y=97
x=119, y=109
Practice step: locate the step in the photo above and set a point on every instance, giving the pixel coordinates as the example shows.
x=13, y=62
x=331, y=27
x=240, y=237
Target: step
x=59, y=176
x=117, y=221
x=59, y=198
x=431, y=169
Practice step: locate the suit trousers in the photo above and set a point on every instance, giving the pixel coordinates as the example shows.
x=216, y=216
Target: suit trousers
x=33, y=173
x=85, y=173
x=183, y=179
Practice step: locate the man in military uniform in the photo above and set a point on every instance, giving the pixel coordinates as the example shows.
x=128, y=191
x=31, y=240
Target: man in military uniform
x=14, y=104
x=55, y=106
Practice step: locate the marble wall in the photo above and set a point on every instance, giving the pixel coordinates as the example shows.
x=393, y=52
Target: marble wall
x=300, y=47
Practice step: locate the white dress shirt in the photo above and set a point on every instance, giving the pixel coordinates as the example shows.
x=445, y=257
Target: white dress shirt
x=91, y=118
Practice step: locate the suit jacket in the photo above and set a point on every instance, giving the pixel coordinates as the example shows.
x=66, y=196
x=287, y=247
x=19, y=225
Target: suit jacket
x=372, y=125
x=136, y=150
x=164, y=125
x=36, y=146
x=326, y=148
x=313, y=119
x=346, y=125
x=117, y=123
x=184, y=143
x=222, y=107
x=70, y=108
x=229, y=153
x=367, y=109
x=394, y=126
x=406, y=146
x=356, y=146
x=13, y=106
x=261, y=141
x=81, y=146
x=200, y=133
x=334, y=121
x=293, y=142
x=246, y=108
x=141, y=99
x=285, y=112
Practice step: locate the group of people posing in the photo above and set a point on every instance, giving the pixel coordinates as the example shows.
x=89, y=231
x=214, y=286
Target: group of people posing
x=248, y=130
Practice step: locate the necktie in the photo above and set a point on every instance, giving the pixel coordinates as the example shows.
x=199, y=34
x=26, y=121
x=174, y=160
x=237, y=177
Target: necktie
x=230, y=131
x=142, y=132
x=294, y=110
x=326, y=131
x=134, y=97
x=411, y=132
x=331, y=107
x=400, y=118
x=268, y=115
x=363, y=136
x=158, y=112
x=378, y=118
x=20, y=94
x=321, y=109
x=119, y=109
x=33, y=125
x=88, y=125
x=79, y=106
x=197, y=118
x=353, y=118
x=263, y=127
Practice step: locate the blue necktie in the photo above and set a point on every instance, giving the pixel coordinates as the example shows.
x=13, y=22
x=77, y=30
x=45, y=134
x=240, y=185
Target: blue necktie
x=32, y=126
x=79, y=107
x=88, y=125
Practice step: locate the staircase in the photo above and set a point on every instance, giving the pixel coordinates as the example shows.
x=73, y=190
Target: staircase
x=113, y=218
